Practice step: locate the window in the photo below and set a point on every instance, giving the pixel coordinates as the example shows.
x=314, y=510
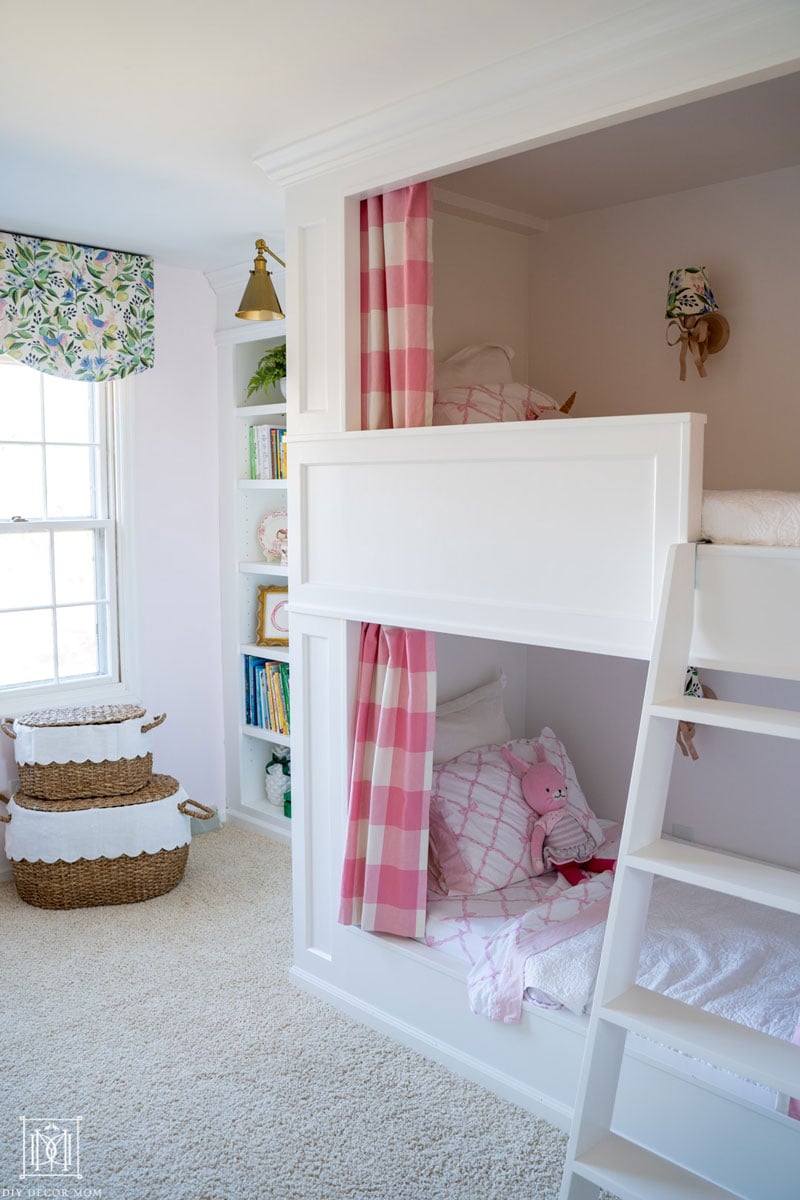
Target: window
x=58, y=592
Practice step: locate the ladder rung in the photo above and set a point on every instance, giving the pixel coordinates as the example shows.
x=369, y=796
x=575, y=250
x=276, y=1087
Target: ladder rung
x=758, y=882
x=633, y=1173
x=746, y=1052
x=747, y=718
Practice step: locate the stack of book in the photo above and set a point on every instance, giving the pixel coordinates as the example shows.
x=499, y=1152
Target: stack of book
x=267, y=452
x=266, y=694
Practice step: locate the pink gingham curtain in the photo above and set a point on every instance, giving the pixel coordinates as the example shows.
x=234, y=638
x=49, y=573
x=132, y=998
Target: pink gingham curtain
x=384, y=881
x=397, y=309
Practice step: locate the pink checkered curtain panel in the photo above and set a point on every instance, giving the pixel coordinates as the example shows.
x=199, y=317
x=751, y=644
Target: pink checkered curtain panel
x=384, y=880
x=397, y=309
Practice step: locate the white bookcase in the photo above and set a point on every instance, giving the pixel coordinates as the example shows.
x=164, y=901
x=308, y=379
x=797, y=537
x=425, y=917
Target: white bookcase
x=243, y=504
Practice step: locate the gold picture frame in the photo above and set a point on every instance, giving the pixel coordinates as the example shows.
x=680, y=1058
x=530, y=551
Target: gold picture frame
x=272, y=627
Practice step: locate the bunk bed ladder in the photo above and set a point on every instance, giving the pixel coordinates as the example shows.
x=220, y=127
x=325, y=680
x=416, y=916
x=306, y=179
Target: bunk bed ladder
x=597, y=1157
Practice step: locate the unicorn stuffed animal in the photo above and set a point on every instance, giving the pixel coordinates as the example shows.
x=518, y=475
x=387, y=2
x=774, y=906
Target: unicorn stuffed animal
x=559, y=838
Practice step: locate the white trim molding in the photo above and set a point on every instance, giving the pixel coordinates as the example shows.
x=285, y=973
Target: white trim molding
x=636, y=61
x=485, y=213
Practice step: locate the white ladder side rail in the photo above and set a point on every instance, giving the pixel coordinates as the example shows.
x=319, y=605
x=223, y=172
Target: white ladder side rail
x=627, y=918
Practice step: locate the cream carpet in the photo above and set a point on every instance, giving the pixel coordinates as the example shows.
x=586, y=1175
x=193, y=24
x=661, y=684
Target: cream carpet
x=201, y=1073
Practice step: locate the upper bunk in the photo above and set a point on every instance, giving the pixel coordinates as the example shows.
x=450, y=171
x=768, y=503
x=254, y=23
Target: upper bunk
x=546, y=533
x=550, y=533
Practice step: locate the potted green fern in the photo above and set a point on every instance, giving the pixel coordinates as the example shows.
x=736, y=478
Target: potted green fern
x=271, y=369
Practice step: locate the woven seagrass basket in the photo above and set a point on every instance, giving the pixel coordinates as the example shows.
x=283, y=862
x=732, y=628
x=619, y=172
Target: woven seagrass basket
x=88, y=882
x=82, y=735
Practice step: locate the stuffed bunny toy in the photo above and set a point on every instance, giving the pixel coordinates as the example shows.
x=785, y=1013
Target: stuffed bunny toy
x=559, y=838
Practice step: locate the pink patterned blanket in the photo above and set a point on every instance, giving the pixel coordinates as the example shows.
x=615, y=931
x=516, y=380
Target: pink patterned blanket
x=496, y=981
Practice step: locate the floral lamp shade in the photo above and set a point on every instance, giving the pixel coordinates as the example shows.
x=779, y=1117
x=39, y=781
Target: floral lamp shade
x=695, y=321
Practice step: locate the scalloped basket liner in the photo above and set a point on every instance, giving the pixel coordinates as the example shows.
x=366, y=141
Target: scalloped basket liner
x=88, y=882
x=90, y=750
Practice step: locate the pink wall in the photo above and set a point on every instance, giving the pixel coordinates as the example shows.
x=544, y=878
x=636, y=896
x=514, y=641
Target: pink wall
x=598, y=292
x=480, y=288
x=176, y=485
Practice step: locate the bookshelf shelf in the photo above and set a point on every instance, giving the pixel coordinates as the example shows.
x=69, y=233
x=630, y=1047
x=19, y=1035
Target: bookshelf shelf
x=267, y=735
x=261, y=410
x=276, y=653
x=247, y=449
x=264, y=568
x=258, y=485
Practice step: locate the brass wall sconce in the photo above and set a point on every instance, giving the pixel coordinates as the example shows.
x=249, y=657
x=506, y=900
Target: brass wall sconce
x=694, y=317
x=259, y=302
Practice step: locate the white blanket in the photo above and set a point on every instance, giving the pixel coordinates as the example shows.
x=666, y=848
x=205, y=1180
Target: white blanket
x=733, y=958
x=752, y=518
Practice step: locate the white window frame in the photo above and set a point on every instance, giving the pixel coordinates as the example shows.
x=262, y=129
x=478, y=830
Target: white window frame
x=121, y=681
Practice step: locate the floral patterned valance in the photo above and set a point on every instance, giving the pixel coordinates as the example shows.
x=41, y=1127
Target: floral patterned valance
x=75, y=311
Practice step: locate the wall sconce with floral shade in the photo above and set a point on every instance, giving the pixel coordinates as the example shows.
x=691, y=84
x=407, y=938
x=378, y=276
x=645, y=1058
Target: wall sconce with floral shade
x=694, y=317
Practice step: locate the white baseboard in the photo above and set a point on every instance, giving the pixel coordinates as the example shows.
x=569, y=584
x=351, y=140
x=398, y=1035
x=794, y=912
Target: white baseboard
x=260, y=824
x=5, y=873
x=461, y=1064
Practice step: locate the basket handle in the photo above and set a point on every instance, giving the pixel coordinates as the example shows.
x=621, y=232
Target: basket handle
x=203, y=813
x=4, y=817
x=154, y=723
x=7, y=727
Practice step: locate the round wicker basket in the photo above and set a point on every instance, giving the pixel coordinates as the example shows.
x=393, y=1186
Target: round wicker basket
x=67, y=781
x=89, y=882
x=79, y=730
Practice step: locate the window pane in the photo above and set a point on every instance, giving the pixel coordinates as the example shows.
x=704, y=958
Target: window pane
x=78, y=553
x=20, y=482
x=69, y=481
x=25, y=570
x=26, y=647
x=20, y=408
x=77, y=641
x=67, y=410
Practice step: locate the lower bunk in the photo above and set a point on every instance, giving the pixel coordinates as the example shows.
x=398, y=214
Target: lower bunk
x=438, y=995
x=673, y=1104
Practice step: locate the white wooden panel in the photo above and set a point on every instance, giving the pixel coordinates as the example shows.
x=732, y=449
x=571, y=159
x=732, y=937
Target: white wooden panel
x=747, y=599
x=553, y=533
x=312, y=322
x=320, y=739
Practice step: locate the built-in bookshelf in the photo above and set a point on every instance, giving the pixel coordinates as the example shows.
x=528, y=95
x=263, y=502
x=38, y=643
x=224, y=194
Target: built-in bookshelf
x=253, y=484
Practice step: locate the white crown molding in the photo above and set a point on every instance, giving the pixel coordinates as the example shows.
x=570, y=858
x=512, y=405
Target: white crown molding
x=683, y=47
x=487, y=214
x=250, y=331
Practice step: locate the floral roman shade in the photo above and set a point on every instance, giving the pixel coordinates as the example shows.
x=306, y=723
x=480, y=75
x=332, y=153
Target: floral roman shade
x=75, y=311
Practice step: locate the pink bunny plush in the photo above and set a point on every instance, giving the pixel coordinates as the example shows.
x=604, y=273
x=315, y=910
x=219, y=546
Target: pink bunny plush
x=559, y=838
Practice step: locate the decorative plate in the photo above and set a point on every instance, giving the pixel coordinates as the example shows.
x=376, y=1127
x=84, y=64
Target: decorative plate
x=272, y=536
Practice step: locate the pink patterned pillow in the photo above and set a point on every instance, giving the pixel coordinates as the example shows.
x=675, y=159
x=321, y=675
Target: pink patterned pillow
x=490, y=402
x=479, y=823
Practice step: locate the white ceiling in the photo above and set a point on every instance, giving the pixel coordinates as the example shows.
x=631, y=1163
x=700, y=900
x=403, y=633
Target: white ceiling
x=134, y=125
x=740, y=133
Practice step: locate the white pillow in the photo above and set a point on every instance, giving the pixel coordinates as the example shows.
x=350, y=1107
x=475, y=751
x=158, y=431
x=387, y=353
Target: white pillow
x=489, y=363
x=474, y=719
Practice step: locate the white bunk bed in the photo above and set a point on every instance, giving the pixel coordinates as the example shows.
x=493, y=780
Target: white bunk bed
x=405, y=527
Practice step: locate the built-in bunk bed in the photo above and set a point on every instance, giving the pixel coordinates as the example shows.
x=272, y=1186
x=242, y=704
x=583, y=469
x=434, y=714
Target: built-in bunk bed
x=516, y=541
x=610, y=496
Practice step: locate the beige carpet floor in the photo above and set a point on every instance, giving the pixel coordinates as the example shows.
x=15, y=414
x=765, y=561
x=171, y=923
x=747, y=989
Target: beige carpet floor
x=201, y=1073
